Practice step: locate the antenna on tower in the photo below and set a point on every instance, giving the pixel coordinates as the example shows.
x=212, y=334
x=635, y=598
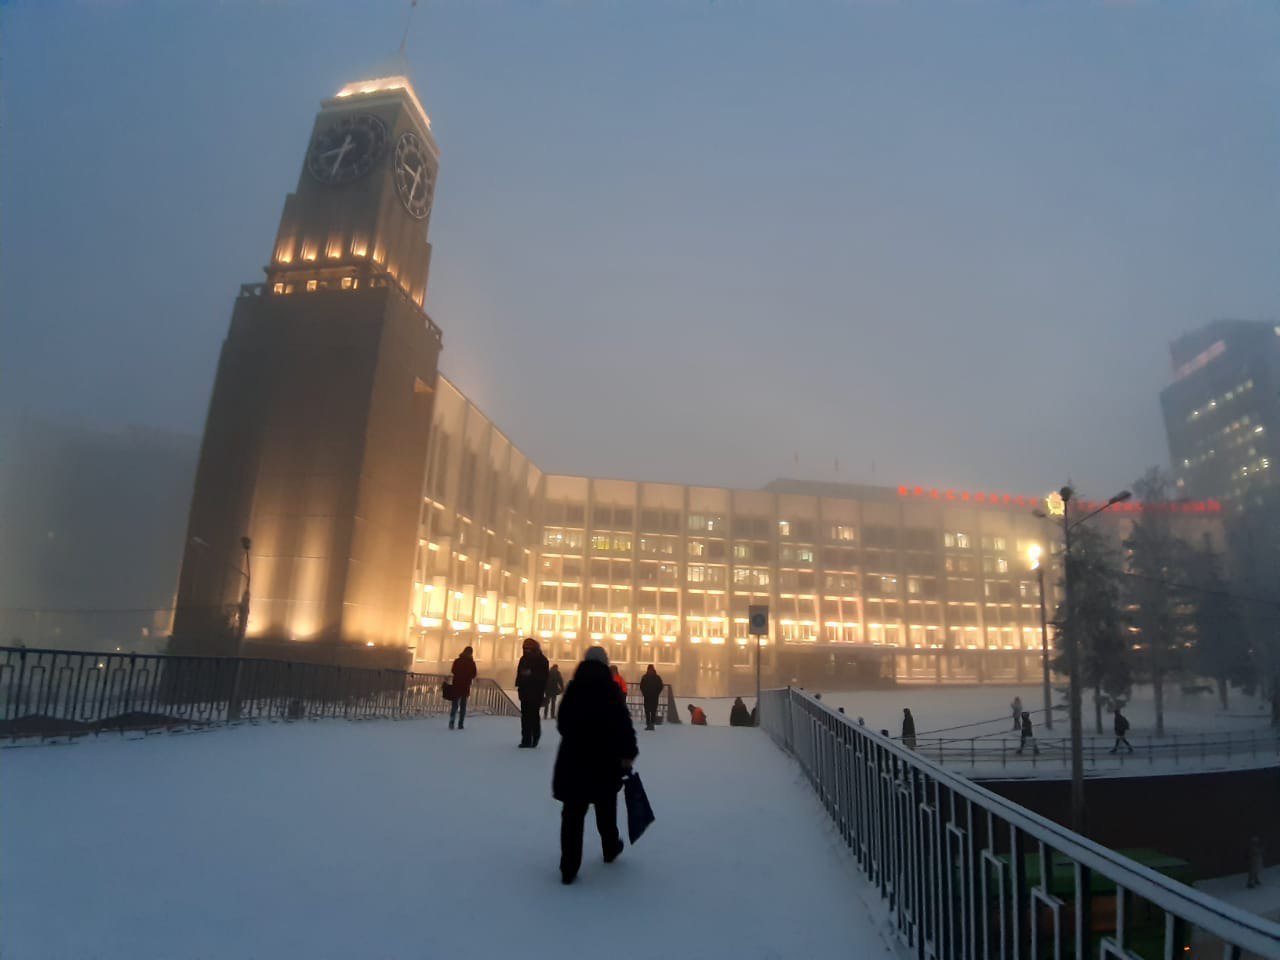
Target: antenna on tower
x=408, y=19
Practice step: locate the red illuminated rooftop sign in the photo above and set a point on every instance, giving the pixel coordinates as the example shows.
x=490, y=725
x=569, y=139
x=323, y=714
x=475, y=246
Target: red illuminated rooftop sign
x=1015, y=500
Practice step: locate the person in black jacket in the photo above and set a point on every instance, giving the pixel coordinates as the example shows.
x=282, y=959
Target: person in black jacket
x=555, y=687
x=531, y=685
x=908, y=729
x=1028, y=735
x=597, y=747
x=739, y=715
x=1122, y=728
x=651, y=689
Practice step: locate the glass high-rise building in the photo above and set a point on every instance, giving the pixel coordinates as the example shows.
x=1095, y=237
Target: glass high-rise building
x=1222, y=410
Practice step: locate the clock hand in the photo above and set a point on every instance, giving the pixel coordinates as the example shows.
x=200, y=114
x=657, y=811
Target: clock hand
x=342, y=152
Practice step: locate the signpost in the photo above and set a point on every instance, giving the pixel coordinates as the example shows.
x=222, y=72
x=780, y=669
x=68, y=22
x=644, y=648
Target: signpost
x=758, y=626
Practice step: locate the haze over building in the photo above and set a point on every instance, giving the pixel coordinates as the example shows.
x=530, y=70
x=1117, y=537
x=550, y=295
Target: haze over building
x=392, y=522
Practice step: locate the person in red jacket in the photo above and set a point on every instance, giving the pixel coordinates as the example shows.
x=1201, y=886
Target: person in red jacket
x=697, y=716
x=464, y=671
x=618, y=679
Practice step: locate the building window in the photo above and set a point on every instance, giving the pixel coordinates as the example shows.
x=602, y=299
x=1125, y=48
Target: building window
x=311, y=286
x=277, y=288
x=348, y=283
x=843, y=533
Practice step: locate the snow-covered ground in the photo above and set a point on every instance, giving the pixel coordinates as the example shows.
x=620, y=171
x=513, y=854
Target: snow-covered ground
x=938, y=708
x=401, y=839
x=970, y=729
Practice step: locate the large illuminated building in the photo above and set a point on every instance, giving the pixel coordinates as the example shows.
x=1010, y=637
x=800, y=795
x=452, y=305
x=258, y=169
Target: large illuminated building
x=393, y=523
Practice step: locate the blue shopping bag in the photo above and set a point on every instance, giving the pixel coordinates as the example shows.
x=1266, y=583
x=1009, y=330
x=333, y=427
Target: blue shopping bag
x=639, y=810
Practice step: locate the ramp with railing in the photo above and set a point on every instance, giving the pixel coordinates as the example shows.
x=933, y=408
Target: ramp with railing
x=46, y=693
x=967, y=874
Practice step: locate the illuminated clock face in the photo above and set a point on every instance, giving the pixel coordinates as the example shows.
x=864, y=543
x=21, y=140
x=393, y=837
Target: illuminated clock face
x=347, y=149
x=413, y=175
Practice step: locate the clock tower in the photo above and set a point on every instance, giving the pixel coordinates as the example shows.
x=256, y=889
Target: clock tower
x=317, y=428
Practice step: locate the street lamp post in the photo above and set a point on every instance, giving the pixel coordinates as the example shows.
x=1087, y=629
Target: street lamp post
x=1063, y=509
x=1038, y=567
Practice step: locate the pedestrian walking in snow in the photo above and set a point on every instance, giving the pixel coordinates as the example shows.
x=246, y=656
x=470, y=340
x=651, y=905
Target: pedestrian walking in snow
x=531, y=686
x=739, y=715
x=908, y=729
x=1027, y=735
x=619, y=679
x=1121, y=728
x=697, y=716
x=464, y=671
x=1016, y=707
x=597, y=747
x=651, y=689
x=555, y=687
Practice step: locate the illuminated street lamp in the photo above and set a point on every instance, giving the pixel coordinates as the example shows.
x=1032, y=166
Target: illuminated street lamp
x=1058, y=505
x=1033, y=558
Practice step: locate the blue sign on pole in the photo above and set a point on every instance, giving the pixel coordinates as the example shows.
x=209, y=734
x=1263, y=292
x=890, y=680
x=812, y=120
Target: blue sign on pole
x=758, y=620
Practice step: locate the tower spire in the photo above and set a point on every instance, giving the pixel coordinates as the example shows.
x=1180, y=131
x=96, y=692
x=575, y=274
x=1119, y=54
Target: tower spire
x=408, y=19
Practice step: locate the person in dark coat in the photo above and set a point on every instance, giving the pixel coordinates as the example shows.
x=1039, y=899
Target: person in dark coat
x=464, y=671
x=651, y=689
x=1121, y=728
x=739, y=715
x=1028, y=735
x=597, y=747
x=908, y=729
x=531, y=685
x=555, y=687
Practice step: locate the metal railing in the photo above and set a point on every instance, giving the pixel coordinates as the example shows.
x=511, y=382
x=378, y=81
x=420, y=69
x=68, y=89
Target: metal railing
x=961, y=868
x=1006, y=752
x=668, y=712
x=45, y=693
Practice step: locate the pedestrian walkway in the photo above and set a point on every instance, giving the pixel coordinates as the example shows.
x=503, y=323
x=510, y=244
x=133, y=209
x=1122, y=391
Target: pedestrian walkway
x=386, y=839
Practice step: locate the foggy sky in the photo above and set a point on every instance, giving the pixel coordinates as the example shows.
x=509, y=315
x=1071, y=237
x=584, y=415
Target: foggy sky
x=945, y=244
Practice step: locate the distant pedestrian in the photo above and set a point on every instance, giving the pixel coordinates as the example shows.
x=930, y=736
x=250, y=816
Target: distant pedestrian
x=531, y=685
x=908, y=729
x=464, y=671
x=619, y=679
x=697, y=716
x=651, y=689
x=1016, y=708
x=1027, y=735
x=1121, y=728
x=739, y=715
x=1255, y=862
x=555, y=687
x=597, y=747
